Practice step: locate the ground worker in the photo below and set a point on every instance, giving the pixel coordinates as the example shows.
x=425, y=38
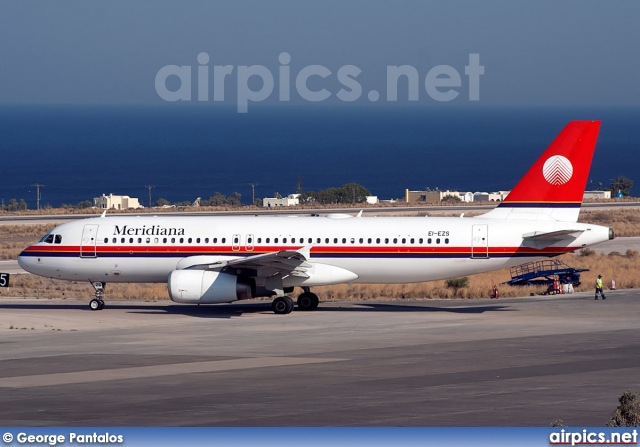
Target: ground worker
x=599, y=287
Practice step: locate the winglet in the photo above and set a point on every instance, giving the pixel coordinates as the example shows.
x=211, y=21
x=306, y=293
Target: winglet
x=104, y=213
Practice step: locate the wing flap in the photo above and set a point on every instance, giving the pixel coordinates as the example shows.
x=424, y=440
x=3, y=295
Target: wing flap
x=285, y=262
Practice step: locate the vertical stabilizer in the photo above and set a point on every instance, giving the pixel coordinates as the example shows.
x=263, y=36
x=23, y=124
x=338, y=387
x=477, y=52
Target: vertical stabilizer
x=553, y=187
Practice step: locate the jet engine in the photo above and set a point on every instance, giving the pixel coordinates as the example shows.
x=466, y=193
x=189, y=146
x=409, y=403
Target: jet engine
x=206, y=287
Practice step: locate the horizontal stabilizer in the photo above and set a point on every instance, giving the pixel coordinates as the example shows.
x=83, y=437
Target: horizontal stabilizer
x=540, y=239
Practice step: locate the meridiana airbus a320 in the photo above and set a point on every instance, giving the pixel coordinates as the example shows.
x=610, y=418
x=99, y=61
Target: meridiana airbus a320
x=207, y=260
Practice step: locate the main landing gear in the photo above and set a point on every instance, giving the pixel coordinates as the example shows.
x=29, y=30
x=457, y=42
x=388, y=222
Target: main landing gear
x=306, y=301
x=97, y=303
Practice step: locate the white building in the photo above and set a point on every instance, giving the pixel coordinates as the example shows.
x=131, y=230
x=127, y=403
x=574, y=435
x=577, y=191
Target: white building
x=290, y=200
x=498, y=196
x=372, y=200
x=596, y=195
x=116, y=202
x=466, y=197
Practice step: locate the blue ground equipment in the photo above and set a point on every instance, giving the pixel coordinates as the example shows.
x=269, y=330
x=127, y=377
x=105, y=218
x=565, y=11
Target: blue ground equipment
x=538, y=273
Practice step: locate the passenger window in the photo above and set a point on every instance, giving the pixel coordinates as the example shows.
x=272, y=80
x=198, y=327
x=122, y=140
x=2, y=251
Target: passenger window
x=148, y=240
x=369, y=241
x=344, y=240
x=361, y=240
x=235, y=240
x=429, y=241
x=131, y=240
x=412, y=240
x=249, y=240
x=139, y=240
x=224, y=240
x=215, y=240
x=284, y=240
x=310, y=240
x=395, y=240
x=318, y=240
x=189, y=240
x=420, y=241
x=275, y=241
x=404, y=241
x=122, y=241
x=377, y=240
x=326, y=241
x=335, y=240
x=268, y=240
x=114, y=240
x=106, y=240
x=155, y=240
x=198, y=241
x=438, y=241
x=173, y=240
x=181, y=240
x=206, y=240
x=446, y=241
x=386, y=240
x=164, y=240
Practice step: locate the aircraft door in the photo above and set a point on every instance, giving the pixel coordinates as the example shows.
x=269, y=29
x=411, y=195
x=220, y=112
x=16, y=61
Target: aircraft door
x=88, y=243
x=480, y=241
x=235, y=242
x=249, y=242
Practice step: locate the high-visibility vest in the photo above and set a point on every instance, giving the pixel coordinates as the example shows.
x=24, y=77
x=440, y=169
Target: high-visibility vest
x=598, y=283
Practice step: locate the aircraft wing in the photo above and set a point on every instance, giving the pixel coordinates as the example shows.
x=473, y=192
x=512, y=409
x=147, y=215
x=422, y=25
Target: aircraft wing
x=540, y=239
x=285, y=262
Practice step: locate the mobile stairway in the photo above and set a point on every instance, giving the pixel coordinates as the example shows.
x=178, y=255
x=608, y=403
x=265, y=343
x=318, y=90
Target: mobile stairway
x=543, y=273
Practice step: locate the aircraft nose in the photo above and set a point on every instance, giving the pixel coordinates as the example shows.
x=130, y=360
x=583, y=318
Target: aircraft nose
x=26, y=262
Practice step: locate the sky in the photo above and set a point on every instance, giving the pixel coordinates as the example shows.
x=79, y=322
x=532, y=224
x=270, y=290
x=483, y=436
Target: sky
x=534, y=54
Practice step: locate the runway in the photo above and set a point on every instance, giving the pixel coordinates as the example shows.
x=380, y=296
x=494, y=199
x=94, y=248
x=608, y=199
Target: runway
x=515, y=362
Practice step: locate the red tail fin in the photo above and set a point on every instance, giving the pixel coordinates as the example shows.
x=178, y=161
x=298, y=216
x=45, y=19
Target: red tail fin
x=557, y=179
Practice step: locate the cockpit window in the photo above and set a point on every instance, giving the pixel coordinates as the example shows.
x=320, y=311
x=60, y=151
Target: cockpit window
x=48, y=239
x=58, y=239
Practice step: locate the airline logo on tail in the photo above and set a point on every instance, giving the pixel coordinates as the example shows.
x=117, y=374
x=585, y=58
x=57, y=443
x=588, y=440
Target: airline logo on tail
x=557, y=170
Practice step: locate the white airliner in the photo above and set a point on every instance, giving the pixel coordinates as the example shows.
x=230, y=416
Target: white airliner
x=207, y=260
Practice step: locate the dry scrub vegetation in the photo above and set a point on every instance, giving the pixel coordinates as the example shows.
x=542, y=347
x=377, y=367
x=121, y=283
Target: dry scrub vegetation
x=621, y=267
x=625, y=222
x=14, y=238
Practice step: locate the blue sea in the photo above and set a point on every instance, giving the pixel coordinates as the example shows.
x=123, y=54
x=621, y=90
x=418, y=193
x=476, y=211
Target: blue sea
x=189, y=151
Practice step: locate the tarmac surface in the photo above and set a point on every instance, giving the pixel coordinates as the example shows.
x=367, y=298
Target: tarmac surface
x=507, y=362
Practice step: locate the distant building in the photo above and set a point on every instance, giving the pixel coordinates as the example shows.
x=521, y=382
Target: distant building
x=431, y=196
x=372, y=200
x=498, y=196
x=596, y=195
x=290, y=200
x=112, y=202
x=466, y=197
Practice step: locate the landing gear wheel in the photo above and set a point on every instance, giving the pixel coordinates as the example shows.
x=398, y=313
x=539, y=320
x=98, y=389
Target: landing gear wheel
x=308, y=301
x=282, y=305
x=95, y=305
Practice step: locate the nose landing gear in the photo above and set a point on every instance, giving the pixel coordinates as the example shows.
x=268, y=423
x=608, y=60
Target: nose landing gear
x=98, y=302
